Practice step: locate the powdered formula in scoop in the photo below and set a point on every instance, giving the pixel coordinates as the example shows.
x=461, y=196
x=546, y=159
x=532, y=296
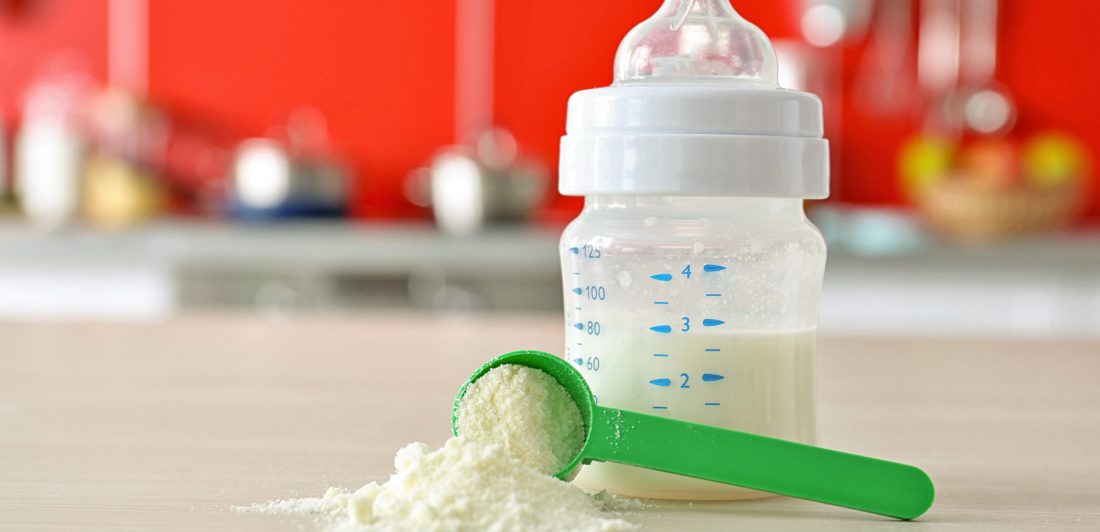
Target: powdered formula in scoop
x=526, y=411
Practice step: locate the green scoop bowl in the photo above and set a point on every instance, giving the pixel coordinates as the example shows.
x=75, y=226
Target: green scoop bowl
x=727, y=456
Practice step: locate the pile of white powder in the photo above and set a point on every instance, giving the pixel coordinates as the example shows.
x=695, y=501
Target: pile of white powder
x=518, y=426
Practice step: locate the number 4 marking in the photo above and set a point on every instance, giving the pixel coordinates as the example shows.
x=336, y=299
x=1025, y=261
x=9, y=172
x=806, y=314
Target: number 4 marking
x=686, y=271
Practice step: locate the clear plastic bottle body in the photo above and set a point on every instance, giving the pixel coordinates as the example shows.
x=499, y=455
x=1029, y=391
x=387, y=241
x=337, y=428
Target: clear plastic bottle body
x=698, y=308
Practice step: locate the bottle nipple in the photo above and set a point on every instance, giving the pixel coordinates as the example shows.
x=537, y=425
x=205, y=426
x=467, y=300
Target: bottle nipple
x=696, y=41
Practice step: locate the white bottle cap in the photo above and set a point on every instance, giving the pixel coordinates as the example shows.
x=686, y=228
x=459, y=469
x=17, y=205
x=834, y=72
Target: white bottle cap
x=695, y=109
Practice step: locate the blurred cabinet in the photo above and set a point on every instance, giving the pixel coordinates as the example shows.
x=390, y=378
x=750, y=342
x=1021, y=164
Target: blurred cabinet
x=276, y=269
x=1024, y=289
x=1044, y=287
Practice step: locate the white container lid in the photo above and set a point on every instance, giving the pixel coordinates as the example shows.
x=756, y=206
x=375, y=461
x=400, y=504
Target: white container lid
x=695, y=110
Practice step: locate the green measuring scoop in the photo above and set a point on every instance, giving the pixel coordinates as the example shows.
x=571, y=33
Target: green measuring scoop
x=727, y=456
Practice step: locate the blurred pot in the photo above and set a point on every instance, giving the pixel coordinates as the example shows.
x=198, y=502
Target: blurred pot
x=268, y=182
x=469, y=188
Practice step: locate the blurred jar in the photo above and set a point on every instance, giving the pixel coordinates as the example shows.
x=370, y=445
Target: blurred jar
x=129, y=138
x=49, y=149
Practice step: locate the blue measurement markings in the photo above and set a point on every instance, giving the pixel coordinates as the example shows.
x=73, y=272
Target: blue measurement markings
x=710, y=268
x=660, y=302
x=578, y=361
x=577, y=291
x=660, y=407
x=712, y=404
x=661, y=382
x=579, y=326
x=714, y=295
x=574, y=250
x=663, y=329
x=713, y=349
x=661, y=277
x=660, y=354
x=711, y=377
x=711, y=322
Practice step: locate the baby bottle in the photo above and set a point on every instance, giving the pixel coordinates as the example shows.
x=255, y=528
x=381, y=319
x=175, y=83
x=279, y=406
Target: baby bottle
x=692, y=276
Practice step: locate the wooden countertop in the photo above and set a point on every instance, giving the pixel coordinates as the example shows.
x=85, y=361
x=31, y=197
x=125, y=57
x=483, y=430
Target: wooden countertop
x=167, y=425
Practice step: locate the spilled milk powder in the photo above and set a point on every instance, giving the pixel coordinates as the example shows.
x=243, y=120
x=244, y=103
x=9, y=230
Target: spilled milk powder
x=518, y=426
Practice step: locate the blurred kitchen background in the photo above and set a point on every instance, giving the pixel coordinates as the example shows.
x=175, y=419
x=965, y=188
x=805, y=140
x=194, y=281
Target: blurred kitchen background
x=290, y=157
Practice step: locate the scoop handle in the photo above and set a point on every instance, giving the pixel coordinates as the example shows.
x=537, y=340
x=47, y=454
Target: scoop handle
x=758, y=462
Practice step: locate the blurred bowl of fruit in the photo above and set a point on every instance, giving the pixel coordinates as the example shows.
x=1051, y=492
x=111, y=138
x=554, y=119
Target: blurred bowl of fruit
x=994, y=188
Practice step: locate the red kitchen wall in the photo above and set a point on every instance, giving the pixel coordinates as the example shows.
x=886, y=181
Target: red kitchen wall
x=1050, y=68
x=32, y=33
x=383, y=74
x=383, y=77
x=1046, y=61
